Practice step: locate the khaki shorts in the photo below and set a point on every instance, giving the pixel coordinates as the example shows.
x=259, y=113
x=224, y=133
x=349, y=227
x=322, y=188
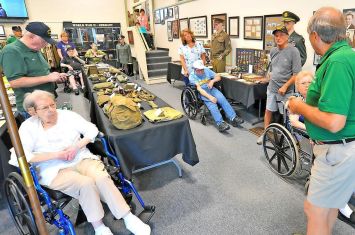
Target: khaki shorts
x=333, y=175
x=272, y=101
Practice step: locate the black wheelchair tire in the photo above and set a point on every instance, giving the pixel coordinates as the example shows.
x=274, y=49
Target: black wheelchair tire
x=19, y=205
x=280, y=145
x=189, y=103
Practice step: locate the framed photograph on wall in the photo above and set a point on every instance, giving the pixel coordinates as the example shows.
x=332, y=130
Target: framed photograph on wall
x=221, y=17
x=157, y=17
x=234, y=26
x=176, y=12
x=198, y=25
x=166, y=15
x=175, y=28
x=253, y=27
x=169, y=27
x=349, y=15
x=162, y=19
x=170, y=12
x=270, y=23
x=2, y=31
x=184, y=23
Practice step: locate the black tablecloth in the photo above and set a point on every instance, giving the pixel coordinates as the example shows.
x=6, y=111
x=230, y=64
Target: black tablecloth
x=246, y=93
x=148, y=143
x=174, y=72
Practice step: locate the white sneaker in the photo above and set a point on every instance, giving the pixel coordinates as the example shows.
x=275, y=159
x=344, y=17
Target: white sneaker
x=103, y=230
x=135, y=225
x=260, y=139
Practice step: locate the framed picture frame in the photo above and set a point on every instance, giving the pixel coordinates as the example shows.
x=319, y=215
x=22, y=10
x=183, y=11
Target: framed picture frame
x=198, y=25
x=157, y=17
x=130, y=37
x=175, y=29
x=200, y=41
x=184, y=23
x=253, y=27
x=170, y=13
x=219, y=16
x=176, y=12
x=2, y=31
x=349, y=15
x=270, y=24
x=166, y=13
x=233, y=25
x=169, y=26
x=162, y=19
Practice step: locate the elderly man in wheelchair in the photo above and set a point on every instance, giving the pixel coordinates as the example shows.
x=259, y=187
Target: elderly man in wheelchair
x=204, y=79
x=285, y=155
x=55, y=143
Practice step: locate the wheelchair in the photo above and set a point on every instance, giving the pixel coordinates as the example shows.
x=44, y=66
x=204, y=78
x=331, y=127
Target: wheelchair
x=287, y=149
x=74, y=73
x=193, y=105
x=53, y=201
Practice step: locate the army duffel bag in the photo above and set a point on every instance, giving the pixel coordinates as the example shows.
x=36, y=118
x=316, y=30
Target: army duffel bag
x=102, y=86
x=145, y=95
x=123, y=113
x=114, y=70
x=162, y=114
x=102, y=100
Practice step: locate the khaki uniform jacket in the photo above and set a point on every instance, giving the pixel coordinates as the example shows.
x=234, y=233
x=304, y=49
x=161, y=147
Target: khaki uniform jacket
x=298, y=41
x=221, y=45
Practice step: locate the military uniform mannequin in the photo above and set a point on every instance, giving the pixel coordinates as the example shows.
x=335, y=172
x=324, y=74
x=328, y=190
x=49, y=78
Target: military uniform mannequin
x=220, y=46
x=295, y=39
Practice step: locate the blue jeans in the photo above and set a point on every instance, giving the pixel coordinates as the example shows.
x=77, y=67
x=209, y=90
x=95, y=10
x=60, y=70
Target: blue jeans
x=222, y=101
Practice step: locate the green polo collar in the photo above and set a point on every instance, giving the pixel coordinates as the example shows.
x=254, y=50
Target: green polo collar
x=332, y=49
x=23, y=46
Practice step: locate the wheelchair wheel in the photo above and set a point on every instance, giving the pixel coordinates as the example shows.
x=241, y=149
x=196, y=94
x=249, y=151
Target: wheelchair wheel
x=18, y=204
x=189, y=103
x=281, y=150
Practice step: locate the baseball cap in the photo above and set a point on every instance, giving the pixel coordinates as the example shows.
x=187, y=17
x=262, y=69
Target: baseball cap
x=70, y=48
x=42, y=30
x=121, y=37
x=280, y=28
x=198, y=64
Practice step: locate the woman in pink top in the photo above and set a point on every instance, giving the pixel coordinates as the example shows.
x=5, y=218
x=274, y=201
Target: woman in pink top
x=143, y=19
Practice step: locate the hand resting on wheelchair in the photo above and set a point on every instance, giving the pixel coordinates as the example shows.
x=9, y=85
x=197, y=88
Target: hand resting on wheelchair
x=52, y=142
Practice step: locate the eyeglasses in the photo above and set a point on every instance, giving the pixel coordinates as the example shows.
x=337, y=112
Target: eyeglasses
x=304, y=83
x=46, y=108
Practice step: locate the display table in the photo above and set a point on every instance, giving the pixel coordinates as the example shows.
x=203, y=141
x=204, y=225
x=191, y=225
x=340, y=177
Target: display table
x=149, y=143
x=244, y=92
x=174, y=72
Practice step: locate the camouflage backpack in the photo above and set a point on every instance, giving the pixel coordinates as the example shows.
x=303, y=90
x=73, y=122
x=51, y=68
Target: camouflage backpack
x=102, y=86
x=123, y=113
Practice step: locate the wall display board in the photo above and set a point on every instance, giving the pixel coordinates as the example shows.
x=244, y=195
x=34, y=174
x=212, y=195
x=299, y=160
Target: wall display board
x=270, y=23
x=349, y=15
x=198, y=25
x=176, y=12
x=169, y=30
x=221, y=17
x=253, y=27
x=256, y=58
x=175, y=28
x=184, y=23
x=157, y=17
x=234, y=26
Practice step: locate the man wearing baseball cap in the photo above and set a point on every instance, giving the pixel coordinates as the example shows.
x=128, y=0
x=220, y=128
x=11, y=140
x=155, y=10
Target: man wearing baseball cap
x=204, y=78
x=295, y=39
x=17, y=34
x=284, y=66
x=24, y=65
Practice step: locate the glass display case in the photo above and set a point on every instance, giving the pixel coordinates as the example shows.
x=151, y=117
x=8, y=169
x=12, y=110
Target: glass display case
x=105, y=35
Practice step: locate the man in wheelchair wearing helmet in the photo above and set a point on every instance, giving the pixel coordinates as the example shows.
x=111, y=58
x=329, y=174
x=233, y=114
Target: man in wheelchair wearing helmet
x=73, y=63
x=52, y=142
x=204, y=78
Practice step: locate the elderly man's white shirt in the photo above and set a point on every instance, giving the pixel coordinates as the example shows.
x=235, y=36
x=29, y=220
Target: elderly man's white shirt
x=64, y=134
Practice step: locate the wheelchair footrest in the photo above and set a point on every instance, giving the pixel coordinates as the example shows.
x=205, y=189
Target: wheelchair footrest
x=147, y=213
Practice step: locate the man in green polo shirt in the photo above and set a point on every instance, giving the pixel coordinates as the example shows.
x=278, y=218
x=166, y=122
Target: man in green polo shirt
x=24, y=65
x=329, y=114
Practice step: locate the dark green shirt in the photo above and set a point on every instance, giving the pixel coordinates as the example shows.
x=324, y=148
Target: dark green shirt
x=17, y=60
x=333, y=91
x=298, y=41
x=11, y=39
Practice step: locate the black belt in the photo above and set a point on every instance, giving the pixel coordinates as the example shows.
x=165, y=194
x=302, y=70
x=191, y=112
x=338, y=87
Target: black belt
x=342, y=141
